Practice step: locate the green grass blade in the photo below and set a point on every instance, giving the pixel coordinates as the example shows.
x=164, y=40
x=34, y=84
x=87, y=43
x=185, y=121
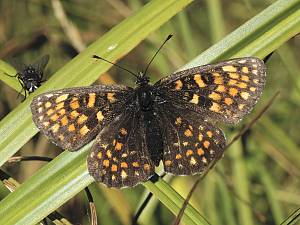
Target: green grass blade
x=241, y=184
x=259, y=36
x=5, y=69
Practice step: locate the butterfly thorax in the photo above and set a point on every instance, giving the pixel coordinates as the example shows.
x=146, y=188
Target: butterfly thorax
x=144, y=93
x=145, y=98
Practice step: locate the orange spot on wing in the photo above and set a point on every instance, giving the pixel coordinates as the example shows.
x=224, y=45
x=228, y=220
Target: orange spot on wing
x=62, y=112
x=111, y=97
x=245, y=70
x=215, y=107
x=178, y=85
x=124, y=165
x=135, y=164
x=59, y=106
x=74, y=114
x=82, y=119
x=91, y=102
x=84, y=130
x=106, y=163
x=209, y=134
x=99, y=155
x=218, y=80
x=178, y=121
x=233, y=91
x=64, y=121
x=229, y=68
x=199, y=81
x=118, y=146
x=114, y=168
x=178, y=156
x=221, y=88
x=188, y=133
x=61, y=98
x=74, y=104
x=71, y=128
x=234, y=75
x=100, y=116
x=200, y=151
x=189, y=152
x=228, y=101
x=54, y=117
x=206, y=144
x=245, y=78
x=50, y=112
x=215, y=96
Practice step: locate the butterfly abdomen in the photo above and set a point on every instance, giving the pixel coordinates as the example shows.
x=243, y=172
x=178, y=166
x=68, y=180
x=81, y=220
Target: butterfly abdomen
x=153, y=136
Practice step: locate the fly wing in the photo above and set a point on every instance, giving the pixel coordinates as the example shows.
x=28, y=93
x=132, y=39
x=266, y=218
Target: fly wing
x=41, y=63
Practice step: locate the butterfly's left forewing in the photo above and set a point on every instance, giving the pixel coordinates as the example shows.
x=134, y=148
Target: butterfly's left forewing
x=72, y=117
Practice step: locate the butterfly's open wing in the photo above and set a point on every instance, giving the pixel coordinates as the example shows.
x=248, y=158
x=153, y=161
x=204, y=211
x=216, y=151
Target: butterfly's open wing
x=72, y=117
x=191, y=145
x=224, y=91
x=120, y=157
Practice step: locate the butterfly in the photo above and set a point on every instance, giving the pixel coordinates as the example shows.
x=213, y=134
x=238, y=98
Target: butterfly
x=173, y=120
x=30, y=76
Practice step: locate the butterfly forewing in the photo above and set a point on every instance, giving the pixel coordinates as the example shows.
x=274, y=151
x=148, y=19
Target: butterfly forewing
x=120, y=156
x=72, y=117
x=191, y=144
x=224, y=91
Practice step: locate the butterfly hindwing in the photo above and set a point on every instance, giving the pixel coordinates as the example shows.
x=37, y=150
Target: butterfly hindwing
x=191, y=145
x=224, y=91
x=71, y=117
x=120, y=157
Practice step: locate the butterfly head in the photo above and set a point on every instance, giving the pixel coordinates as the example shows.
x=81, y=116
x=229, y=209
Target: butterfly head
x=142, y=79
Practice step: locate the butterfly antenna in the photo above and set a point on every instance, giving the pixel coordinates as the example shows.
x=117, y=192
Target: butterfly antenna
x=168, y=38
x=98, y=57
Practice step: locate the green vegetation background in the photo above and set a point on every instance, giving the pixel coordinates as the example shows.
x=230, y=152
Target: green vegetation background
x=258, y=178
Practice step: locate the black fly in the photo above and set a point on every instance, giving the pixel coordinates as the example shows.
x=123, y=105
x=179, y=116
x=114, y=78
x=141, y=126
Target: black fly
x=30, y=76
